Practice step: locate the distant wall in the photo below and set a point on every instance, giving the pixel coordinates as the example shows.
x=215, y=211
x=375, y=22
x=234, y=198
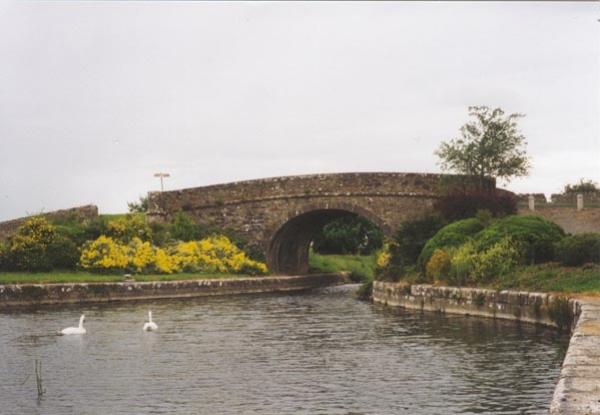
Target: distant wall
x=81, y=213
x=590, y=197
x=568, y=217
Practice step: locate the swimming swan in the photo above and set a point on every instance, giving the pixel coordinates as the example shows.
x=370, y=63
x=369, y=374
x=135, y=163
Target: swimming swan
x=75, y=330
x=150, y=325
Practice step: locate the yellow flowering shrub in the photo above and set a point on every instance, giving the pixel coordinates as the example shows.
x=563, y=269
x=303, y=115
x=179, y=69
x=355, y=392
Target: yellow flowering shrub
x=164, y=263
x=216, y=254
x=37, y=246
x=104, y=255
x=129, y=227
x=142, y=256
x=383, y=258
x=438, y=267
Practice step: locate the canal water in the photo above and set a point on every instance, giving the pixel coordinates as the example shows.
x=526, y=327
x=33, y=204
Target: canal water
x=315, y=352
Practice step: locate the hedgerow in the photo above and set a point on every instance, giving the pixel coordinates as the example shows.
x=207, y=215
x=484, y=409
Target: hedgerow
x=580, y=249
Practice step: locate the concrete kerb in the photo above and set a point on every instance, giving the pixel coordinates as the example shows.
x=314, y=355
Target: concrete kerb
x=578, y=387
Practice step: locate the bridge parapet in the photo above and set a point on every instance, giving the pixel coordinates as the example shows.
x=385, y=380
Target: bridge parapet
x=281, y=215
x=166, y=204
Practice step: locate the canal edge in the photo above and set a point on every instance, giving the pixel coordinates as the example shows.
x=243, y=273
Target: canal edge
x=32, y=295
x=577, y=390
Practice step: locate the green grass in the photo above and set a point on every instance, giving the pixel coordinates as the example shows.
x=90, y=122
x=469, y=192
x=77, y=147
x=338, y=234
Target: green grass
x=84, y=277
x=360, y=267
x=547, y=278
x=117, y=216
x=552, y=278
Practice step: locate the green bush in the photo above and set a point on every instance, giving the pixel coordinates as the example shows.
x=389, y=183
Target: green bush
x=63, y=253
x=453, y=235
x=580, y=249
x=413, y=234
x=584, y=186
x=500, y=259
x=184, y=228
x=535, y=235
x=438, y=267
x=464, y=264
x=473, y=264
x=348, y=235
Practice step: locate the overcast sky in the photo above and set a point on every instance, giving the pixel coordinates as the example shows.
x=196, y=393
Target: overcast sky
x=96, y=97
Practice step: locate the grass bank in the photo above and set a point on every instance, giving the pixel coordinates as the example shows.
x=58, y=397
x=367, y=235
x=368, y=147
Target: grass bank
x=85, y=277
x=360, y=267
x=547, y=278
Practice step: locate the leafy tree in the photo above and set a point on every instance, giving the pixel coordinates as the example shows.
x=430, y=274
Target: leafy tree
x=490, y=146
x=584, y=186
x=350, y=235
x=413, y=234
x=184, y=228
x=140, y=206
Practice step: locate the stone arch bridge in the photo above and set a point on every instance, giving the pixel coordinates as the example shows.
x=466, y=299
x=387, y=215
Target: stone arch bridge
x=281, y=215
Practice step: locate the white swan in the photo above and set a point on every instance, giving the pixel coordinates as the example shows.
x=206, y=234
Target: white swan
x=75, y=330
x=150, y=325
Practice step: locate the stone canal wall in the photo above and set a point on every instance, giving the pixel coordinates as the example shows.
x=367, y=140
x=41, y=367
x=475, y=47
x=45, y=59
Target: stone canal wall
x=578, y=387
x=46, y=294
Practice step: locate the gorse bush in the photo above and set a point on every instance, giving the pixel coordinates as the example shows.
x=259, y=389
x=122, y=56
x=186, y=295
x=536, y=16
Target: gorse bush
x=129, y=227
x=37, y=246
x=216, y=254
x=388, y=264
x=580, y=249
x=104, y=255
x=439, y=266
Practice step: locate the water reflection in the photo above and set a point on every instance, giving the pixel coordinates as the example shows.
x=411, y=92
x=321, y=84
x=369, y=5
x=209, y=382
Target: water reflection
x=315, y=352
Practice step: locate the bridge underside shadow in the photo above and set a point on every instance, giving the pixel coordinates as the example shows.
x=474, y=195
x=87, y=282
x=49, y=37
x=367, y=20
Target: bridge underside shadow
x=288, y=250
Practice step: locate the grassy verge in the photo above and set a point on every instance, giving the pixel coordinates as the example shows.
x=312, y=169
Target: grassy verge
x=547, y=278
x=360, y=267
x=553, y=279
x=84, y=277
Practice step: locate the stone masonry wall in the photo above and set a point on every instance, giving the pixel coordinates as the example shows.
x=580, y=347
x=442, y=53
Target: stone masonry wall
x=256, y=208
x=569, y=218
x=522, y=306
x=81, y=213
x=47, y=294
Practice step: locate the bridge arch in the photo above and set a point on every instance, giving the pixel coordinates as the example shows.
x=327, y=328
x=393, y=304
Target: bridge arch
x=280, y=215
x=289, y=242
